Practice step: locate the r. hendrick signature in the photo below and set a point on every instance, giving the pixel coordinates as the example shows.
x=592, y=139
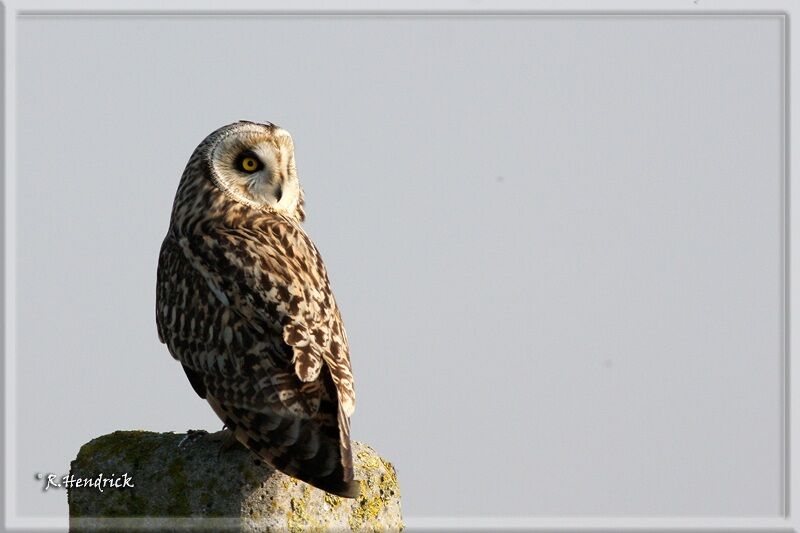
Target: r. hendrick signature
x=99, y=482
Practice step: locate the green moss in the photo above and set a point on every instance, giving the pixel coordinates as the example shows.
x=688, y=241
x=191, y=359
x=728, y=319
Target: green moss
x=162, y=473
x=250, y=476
x=127, y=504
x=131, y=450
x=205, y=500
x=178, y=504
x=211, y=494
x=115, y=444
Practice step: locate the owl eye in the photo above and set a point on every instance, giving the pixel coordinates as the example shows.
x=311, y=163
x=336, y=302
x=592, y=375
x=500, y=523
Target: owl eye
x=249, y=162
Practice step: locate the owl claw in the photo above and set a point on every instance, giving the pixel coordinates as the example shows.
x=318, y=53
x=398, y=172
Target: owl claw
x=229, y=443
x=191, y=434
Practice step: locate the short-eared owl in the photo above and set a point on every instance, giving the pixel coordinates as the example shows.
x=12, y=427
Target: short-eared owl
x=244, y=303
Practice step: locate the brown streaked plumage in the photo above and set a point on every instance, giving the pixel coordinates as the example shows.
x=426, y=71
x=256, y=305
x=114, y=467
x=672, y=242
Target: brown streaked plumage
x=243, y=301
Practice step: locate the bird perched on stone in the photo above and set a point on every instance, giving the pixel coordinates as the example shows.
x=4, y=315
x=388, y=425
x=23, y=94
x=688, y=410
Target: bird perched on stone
x=243, y=301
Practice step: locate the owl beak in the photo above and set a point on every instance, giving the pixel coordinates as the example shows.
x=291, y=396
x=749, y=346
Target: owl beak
x=279, y=184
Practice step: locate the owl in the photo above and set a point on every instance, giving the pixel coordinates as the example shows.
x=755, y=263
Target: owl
x=244, y=303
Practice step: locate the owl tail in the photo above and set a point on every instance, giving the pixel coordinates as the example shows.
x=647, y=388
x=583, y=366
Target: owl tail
x=299, y=447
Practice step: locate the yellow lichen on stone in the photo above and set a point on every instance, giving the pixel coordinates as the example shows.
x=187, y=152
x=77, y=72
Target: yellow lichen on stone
x=367, y=510
x=369, y=461
x=332, y=500
x=191, y=479
x=388, y=484
x=377, y=492
x=298, y=519
x=273, y=506
x=391, y=473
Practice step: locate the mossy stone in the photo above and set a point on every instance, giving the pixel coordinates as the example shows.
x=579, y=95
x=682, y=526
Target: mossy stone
x=183, y=482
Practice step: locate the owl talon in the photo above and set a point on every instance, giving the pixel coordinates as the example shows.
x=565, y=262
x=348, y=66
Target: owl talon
x=228, y=444
x=191, y=434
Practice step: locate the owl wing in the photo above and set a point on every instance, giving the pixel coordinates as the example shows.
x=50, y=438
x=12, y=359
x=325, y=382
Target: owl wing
x=282, y=273
x=251, y=317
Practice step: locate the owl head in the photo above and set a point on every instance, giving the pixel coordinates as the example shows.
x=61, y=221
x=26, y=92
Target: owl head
x=253, y=164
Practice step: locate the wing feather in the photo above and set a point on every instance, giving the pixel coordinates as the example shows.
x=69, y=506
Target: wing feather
x=250, y=314
x=282, y=273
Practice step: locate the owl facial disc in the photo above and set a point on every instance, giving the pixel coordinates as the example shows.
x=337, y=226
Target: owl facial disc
x=254, y=164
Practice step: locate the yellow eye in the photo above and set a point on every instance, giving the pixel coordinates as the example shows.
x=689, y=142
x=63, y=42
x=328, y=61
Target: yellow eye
x=249, y=164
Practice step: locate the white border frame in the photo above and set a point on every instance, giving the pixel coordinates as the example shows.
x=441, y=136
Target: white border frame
x=13, y=9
